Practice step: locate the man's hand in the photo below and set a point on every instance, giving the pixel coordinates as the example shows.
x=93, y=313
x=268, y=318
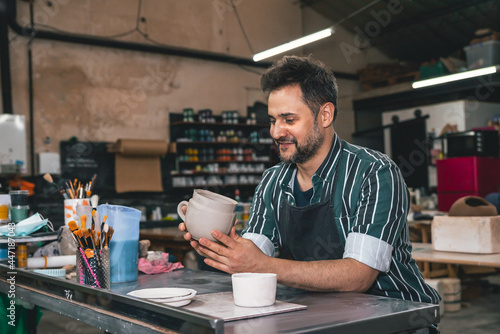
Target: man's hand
x=188, y=237
x=233, y=254
x=192, y=242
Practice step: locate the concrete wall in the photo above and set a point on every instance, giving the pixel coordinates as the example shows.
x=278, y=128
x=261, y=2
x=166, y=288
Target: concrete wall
x=102, y=94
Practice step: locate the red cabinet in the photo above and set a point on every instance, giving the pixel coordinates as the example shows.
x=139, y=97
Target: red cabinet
x=466, y=176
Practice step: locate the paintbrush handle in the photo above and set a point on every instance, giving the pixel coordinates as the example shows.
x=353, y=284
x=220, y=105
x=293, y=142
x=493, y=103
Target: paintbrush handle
x=77, y=237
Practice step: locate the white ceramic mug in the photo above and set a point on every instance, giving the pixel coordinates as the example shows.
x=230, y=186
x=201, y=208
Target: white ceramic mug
x=209, y=208
x=214, y=200
x=201, y=219
x=254, y=289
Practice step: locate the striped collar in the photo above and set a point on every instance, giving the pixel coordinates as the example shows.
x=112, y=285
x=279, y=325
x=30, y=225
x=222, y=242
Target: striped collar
x=327, y=168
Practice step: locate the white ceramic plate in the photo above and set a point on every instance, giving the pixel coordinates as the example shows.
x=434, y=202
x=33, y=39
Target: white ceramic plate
x=167, y=296
x=179, y=303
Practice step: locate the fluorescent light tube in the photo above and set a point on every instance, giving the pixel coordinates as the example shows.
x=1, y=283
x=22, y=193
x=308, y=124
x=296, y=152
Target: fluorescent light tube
x=455, y=77
x=294, y=44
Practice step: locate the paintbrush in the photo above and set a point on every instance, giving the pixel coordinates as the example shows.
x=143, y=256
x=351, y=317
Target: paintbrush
x=104, y=235
x=104, y=230
x=98, y=228
x=47, y=177
x=109, y=235
x=73, y=194
x=98, y=236
x=91, y=243
x=73, y=228
x=89, y=253
x=88, y=238
x=77, y=233
x=94, y=200
x=92, y=183
x=98, y=222
x=83, y=221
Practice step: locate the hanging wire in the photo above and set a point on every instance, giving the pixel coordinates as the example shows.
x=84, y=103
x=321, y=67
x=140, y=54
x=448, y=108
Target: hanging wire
x=137, y=22
x=138, y=18
x=135, y=29
x=356, y=12
x=131, y=31
x=241, y=27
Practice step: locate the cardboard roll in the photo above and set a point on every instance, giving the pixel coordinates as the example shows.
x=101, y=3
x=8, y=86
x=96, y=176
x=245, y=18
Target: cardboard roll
x=136, y=147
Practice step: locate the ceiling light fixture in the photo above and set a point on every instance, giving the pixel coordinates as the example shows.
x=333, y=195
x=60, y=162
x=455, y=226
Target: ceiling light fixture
x=294, y=44
x=455, y=77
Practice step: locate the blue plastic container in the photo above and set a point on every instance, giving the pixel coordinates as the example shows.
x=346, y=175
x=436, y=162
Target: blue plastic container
x=124, y=245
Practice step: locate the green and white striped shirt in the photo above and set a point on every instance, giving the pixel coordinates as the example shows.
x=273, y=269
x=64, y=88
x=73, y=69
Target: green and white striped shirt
x=371, y=203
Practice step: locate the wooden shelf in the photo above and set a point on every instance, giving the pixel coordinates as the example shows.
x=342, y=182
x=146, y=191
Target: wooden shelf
x=219, y=124
x=218, y=161
x=265, y=148
x=220, y=143
x=218, y=173
x=218, y=185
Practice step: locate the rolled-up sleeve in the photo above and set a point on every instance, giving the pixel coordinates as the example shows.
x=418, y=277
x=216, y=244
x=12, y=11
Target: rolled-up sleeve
x=371, y=251
x=380, y=218
x=261, y=241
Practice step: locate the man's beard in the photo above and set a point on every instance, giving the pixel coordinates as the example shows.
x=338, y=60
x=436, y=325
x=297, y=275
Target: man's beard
x=305, y=152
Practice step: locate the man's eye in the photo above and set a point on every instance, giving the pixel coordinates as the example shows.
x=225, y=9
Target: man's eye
x=272, y=121
x=289, y=121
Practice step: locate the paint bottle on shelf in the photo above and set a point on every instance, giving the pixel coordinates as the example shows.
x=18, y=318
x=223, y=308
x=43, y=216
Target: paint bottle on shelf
x=22, y=256
x=239, y=210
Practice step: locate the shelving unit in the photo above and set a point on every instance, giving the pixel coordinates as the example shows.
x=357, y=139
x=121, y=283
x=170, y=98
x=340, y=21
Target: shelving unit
x=218, y=123
x=234, y=163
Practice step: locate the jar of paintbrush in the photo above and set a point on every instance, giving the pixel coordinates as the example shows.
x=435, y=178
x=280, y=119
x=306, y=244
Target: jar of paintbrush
x=93, y=253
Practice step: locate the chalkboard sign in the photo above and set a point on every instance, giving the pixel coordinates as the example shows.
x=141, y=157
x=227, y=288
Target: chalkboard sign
x=81, y=160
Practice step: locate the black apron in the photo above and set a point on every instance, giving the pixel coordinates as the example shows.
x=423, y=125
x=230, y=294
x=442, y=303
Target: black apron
x=310, y=233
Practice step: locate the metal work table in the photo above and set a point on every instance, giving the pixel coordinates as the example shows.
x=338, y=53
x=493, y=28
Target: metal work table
x=114, y=311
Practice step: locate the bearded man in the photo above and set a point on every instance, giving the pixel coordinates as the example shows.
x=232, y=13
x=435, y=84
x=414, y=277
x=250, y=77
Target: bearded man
x=338, y=211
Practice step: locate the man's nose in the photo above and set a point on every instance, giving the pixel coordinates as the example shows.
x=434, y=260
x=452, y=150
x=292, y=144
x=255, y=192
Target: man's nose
x=278, y=130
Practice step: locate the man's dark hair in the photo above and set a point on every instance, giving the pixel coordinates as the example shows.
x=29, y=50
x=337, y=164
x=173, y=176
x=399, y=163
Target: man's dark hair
x=316, y=81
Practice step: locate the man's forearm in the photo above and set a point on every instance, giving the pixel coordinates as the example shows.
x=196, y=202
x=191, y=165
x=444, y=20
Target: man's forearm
x=328, y=275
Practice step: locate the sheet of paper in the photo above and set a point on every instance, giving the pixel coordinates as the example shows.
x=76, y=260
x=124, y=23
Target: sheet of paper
x=221, y=305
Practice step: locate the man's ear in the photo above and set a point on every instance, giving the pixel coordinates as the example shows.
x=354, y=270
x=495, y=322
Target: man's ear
x=327, y=114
